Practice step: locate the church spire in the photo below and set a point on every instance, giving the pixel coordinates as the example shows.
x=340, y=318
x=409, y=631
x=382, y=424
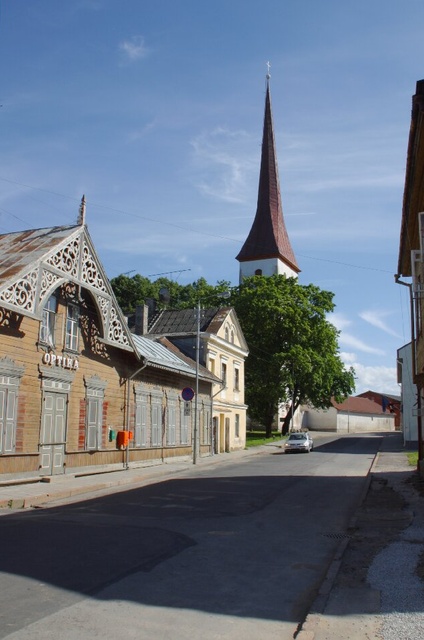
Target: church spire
x=267, y=249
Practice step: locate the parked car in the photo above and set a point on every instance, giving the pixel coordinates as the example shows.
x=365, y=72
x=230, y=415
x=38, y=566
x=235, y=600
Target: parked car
x=299, y=441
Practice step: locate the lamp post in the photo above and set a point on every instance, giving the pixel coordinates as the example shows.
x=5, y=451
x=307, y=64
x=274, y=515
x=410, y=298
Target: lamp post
x=196, y=388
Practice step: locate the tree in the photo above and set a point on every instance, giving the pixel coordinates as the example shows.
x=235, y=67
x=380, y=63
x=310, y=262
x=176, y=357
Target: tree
x=293, y=349
x=134, y=291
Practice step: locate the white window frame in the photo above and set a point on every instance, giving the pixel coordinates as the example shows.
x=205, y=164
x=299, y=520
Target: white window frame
x=71, y=328
x=48, y=321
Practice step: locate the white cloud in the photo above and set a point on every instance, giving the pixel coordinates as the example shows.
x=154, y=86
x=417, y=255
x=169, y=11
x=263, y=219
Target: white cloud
x=350, y=341
x=225, y=164
x=375, y=378
x=134, y=48
x=376, y=319
x=339, y=320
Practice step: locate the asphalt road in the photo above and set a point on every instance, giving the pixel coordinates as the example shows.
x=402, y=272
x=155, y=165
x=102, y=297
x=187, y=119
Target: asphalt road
x=237, y=550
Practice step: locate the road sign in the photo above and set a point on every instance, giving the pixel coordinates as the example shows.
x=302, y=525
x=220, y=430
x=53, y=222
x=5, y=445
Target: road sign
x=187, y=409
x=187, y=394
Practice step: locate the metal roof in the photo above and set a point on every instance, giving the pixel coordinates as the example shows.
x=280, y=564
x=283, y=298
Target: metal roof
x=19, y=249
x=158, y=355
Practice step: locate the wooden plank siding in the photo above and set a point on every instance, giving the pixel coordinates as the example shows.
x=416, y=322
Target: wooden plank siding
x=112, y=366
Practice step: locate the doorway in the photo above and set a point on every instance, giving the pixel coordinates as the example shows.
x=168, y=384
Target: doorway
x=53, y=433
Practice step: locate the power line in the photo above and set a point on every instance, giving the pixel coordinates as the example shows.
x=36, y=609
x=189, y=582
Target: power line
x=176, y=226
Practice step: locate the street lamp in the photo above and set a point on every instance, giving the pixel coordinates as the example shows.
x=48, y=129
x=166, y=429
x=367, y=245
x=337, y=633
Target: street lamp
x=224, y=294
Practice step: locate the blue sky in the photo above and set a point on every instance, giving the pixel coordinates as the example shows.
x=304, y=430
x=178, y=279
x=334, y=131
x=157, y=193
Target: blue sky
x=155, y=113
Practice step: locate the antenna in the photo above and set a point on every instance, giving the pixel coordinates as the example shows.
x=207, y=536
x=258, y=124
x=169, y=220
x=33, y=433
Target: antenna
x=166, y=273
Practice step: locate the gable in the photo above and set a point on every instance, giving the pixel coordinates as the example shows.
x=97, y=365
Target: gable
x=47, y=258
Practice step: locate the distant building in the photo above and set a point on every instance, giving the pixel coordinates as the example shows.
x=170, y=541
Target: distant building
x=222, y=351
x=389, y=403
x=354, y=415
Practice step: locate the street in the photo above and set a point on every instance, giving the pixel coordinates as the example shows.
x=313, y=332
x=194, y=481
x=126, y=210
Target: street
x=235, y=550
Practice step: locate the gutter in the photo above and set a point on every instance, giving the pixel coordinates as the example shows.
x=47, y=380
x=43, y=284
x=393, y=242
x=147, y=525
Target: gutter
x=414, y=372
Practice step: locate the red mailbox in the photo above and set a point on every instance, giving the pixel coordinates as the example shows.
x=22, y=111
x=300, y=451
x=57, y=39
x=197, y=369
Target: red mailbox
x=123, y=438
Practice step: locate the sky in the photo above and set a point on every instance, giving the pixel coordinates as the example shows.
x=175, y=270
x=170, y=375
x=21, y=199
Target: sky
x=155, y=113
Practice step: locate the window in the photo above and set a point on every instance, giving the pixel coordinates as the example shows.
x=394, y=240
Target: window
x=224, y=373
x=95, y=435
x=258, y=272
x=71, y=335
x=8, y=400
x=185, y=412
x=172, y=422
x=94, y=423
x=237, y=425
x=206, y=426
x=212, y=365
x=156, y=421
x=140, y=418
x=48, y=321
x=236, y=379
x=227, y=334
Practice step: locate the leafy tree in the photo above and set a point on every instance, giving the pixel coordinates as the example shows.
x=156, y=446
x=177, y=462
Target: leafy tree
x=294, y=354
x=134, y=291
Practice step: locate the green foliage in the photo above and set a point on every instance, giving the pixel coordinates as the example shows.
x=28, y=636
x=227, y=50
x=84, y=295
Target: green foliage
x=294, y=353
x=134, y=291
x=412, y=458
x=258, y=438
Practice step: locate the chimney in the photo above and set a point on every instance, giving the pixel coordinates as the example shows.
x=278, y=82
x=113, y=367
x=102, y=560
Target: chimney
x=141, y=319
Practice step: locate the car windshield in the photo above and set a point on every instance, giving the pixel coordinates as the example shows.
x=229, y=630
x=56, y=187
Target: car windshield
x=297, y=436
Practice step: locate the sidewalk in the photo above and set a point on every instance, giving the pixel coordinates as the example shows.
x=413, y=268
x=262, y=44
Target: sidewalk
x=349, y=606
x=32, y=494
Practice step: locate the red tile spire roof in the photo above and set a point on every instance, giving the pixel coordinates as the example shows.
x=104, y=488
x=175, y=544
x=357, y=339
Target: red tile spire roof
x=268, y=237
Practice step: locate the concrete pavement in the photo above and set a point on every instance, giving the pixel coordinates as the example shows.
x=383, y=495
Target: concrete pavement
x=347, y=606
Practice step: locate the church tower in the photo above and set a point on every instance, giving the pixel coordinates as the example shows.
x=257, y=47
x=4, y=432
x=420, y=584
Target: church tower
x=267, y=250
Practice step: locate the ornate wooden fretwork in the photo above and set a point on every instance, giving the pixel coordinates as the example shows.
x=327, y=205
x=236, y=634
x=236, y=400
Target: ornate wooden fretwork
x=67, y=258
x=90, y=271
x=21, y=294
x=73, y=264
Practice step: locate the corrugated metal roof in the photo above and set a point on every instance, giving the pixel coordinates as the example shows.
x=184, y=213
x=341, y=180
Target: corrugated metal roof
x=159, y=355
x=18, y=250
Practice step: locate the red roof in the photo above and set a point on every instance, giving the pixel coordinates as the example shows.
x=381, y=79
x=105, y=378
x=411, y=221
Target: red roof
x=357, y=404
x=268, y=237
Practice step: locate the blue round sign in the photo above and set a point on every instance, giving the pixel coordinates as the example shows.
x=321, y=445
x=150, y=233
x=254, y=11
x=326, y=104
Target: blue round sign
x=187, y=394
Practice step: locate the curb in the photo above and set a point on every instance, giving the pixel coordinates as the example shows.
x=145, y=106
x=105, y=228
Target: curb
x=307, y=629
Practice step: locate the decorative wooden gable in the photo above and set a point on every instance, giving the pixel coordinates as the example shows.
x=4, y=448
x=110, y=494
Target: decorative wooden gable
x=73, y=259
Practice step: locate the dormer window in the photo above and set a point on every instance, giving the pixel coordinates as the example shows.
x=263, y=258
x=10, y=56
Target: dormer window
x=48, y=321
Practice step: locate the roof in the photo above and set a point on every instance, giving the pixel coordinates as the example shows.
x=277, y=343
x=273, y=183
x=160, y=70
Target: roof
x=164, y=355
x=183, y=321
x=357, y=404
x=35, y=262
x=268, y=237
x=413, y=195
x=379, y=394
x=20, y=249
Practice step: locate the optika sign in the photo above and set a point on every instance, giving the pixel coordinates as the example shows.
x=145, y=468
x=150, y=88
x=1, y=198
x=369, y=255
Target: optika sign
x=60, y=361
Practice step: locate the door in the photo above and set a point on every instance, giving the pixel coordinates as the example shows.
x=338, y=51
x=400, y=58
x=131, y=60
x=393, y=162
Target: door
x=53, y=433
